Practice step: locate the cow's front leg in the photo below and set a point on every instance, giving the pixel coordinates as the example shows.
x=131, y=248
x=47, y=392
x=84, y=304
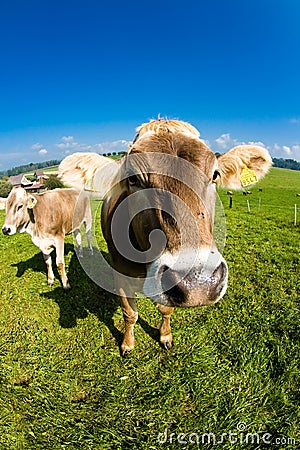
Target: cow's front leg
x=130, y=315
x=50, y=274
x=166, y=339
x=60, y=262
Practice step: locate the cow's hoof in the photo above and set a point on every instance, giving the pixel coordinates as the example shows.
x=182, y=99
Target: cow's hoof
x=125, y=350
x=67, y=287
x=167, y=345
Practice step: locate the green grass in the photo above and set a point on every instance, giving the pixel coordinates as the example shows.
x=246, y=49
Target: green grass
x=65, y=386
x=47, y=170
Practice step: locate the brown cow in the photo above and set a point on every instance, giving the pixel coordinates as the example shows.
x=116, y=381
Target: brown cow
x=48, y=217
x=157, y=218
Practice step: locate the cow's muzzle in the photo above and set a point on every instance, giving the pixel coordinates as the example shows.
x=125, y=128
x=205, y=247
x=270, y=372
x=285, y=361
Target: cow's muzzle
x=6, y=230
x=187, y=279
x=195, y=288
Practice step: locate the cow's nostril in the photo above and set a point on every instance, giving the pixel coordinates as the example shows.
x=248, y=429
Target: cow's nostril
x=220, y=272
x=170, y=282
x=5, y=230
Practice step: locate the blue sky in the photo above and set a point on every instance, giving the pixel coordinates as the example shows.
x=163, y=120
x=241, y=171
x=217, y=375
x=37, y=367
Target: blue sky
x=82, y=75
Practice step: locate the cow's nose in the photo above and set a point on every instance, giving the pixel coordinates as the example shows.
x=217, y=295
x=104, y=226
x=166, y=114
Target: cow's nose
x=6, y=230
x=179, y=286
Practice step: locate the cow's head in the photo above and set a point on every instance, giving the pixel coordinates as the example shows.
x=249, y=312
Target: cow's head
x=167, y=191
x=18, y=205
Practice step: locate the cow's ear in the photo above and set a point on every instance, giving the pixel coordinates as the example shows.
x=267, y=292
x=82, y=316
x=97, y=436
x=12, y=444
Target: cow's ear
x=31, y=201
x=242, y=166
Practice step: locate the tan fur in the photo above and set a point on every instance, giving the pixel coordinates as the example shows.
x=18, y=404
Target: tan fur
x=161, y=146
x=153, y=153
x=165, y=126
x=79, y=171
x=47, y=218
x=250, y=156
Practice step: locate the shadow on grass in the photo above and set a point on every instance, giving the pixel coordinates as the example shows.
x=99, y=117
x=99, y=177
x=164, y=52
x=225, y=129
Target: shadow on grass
x=36, y=263
x=151, y=331
x=84, y=297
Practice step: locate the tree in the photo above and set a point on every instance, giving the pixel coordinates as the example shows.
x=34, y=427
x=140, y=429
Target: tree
x=53, y=182
x=286, y=163
x=5, y=188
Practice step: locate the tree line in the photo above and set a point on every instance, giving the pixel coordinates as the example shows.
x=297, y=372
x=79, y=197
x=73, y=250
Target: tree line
x=42, y=165
x=286, y=163
x=29, y=168
x=277, y=162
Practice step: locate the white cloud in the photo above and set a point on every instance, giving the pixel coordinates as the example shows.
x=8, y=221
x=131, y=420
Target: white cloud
x=67, y=142
x=284, y=151
x=258, y=143
x=67, y=138
x=296, y=152
x=69, y=145
x=225, y=141
x=36, y=146
x=295, y=120
x=112, y=146
x=43, y=151
x=287, y=150
x=276, y=147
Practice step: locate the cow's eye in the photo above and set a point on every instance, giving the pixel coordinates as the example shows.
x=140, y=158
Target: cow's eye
x=19, y=207
x=133, y=180
x=216, y=175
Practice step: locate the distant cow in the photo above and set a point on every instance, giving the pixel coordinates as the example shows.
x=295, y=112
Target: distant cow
x=163, y=194
x=297, y=195
x=48, y=217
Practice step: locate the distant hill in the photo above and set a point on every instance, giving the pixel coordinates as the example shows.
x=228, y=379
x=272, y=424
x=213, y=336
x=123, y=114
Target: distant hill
x=286, y=163
x=32, y=167
x=277, y=162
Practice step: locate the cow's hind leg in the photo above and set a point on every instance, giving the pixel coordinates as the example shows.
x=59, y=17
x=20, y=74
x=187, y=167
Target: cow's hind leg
x=88, y=231
x=50, y=274
x=60, y=262
x=166, y=339
x=77, y=237
x=89, y=238
x=130, y=315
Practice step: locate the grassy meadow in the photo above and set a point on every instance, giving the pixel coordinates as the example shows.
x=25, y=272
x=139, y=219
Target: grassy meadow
x=230, y=381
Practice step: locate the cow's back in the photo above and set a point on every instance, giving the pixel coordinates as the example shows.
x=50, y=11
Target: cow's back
x=54, y=211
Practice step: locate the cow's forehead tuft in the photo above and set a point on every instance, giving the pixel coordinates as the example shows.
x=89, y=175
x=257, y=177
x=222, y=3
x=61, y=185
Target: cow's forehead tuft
x=17, y=195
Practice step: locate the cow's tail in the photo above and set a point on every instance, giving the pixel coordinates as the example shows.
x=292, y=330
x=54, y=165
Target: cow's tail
x=88, y=171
